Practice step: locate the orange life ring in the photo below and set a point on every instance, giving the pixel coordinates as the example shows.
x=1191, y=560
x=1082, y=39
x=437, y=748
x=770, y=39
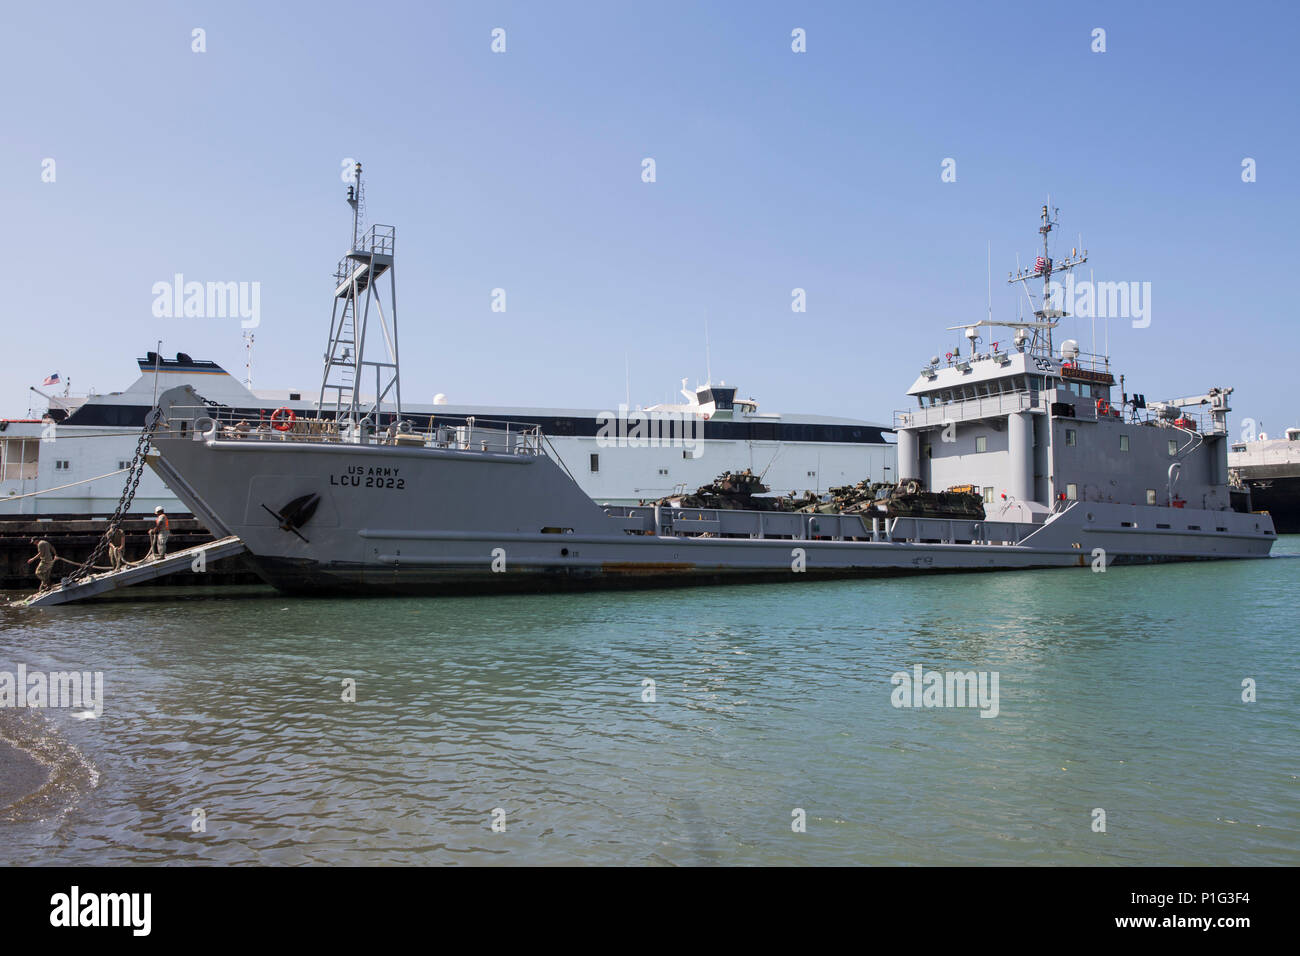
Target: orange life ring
x=1103, y=407
x=282, y=419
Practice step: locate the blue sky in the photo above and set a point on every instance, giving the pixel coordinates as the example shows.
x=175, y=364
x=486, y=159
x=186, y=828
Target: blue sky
x=775, y=170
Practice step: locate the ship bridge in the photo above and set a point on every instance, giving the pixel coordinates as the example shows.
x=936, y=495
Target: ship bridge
x=1000, y=383
x=1037, y=430
x=1037, y=427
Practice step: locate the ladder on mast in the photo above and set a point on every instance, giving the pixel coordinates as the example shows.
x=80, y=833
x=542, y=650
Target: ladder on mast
x=358, y=289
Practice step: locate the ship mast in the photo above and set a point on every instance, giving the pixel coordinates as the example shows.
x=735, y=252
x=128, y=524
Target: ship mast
x=1049, y=313
x=357, y=289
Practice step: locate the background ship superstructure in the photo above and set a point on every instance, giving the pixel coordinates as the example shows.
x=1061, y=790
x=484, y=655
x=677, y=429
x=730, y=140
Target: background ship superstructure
x=88, y=437
x=1269, y=469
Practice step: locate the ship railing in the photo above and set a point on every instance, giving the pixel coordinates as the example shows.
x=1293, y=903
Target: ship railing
x=1192, y=418
x=498, y=436
x=377, y=240
x=1087, y=362
x=970, y=409
x=667, y=521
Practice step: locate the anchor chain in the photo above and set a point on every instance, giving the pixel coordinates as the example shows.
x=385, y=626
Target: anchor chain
x=134, y=474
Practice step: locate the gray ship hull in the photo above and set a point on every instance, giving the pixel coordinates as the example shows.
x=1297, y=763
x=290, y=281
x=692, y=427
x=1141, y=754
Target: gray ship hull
x=422, y=520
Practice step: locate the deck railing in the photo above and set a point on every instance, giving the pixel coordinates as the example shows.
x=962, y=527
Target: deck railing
x=204, y=423
x=987, y=406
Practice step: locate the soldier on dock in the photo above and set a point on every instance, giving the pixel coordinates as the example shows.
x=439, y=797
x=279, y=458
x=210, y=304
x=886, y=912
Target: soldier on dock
x=117, y=548
x=44, y=557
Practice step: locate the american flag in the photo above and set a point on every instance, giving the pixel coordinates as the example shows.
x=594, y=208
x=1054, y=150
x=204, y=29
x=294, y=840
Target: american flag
x=51, y=379
x=1041, y=265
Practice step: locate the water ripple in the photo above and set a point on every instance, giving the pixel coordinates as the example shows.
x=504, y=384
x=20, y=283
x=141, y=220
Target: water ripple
x=1119, y=691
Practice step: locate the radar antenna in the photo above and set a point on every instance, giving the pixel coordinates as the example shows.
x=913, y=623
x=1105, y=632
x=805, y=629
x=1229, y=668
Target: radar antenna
x=1048, y=313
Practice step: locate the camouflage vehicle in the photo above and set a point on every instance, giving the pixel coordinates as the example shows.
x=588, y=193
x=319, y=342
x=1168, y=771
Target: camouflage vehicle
x=731, y=491
x=909, y=499
x=845, y=499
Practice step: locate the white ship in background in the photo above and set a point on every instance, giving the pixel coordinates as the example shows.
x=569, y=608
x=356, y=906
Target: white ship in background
x=70, y=462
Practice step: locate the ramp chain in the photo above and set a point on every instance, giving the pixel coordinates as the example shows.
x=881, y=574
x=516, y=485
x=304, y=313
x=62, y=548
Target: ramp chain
x=134, y=474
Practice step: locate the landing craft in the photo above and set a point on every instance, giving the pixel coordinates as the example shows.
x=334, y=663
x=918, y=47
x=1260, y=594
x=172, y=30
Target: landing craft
x=1066, y=474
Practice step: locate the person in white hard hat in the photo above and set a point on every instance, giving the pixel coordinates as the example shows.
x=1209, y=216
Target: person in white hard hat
x=159, y=533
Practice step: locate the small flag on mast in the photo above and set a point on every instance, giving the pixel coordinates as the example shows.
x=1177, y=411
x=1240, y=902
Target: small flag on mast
x=51, y=379
x=1042, y=265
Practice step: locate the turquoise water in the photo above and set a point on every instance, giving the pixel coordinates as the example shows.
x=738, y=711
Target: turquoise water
x=1119, y=691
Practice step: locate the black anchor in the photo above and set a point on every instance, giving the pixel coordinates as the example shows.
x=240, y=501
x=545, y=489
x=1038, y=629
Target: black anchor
x=296, y=513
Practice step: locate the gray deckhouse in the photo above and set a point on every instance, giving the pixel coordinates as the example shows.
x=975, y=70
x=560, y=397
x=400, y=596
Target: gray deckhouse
x=1036, y=429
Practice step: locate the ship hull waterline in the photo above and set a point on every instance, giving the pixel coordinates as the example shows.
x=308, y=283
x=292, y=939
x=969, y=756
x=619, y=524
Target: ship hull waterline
x=424, y=521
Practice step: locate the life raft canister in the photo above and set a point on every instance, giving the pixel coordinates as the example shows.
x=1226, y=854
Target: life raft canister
x=282, y=419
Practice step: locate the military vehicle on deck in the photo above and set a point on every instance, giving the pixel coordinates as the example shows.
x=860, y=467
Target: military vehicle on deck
x=731, y=491
x=909, y=499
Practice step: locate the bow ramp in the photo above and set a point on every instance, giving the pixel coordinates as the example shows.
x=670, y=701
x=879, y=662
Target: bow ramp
x=148, y=571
